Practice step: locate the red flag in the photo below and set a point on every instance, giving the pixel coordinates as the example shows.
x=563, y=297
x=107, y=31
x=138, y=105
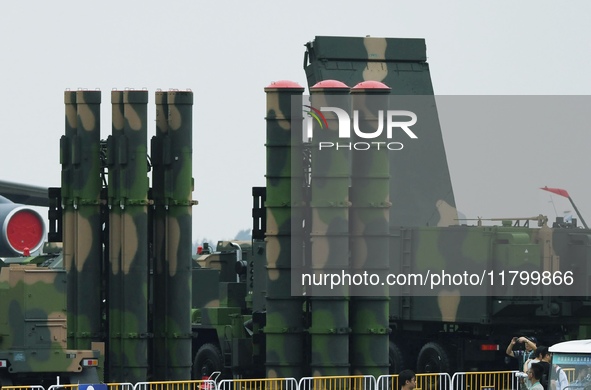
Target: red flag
x=557, y=191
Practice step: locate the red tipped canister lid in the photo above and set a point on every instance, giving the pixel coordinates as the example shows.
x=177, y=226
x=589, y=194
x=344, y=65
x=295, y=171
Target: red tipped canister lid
x=329, y=84
x=284, y=84
x=371, y=84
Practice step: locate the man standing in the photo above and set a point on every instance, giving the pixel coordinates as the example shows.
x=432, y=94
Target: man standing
x=407, y=380
x=522, y=355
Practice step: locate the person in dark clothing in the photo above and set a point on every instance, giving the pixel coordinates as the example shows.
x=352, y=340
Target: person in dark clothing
x=543, y=356
x=522, y=356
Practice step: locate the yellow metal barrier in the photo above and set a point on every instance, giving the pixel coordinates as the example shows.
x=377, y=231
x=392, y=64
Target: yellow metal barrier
x=176, y=385
x=570, y=374
x=34, y=387
x=355, y=382
x=119, y=386
x=437, y=381
x=60, y=387
x=259, y=384
x=492, y=380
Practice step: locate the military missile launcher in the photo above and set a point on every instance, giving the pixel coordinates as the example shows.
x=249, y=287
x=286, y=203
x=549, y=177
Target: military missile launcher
x=450, y=332
x=444, y=332
x=242, y=308
x=448, y=329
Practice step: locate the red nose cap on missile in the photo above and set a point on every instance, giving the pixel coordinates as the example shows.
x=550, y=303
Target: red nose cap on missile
x=284, y=84
x=25, y=230
x=371, y=84
x=329, y=84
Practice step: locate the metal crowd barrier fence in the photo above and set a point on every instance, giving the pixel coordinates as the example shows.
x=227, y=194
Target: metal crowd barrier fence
x=205, y=384
x=355, y=382
x=258, y=384
x=491, y=380
x=94, y=386
x=120, y=386
x=34, y=387
x=437, y=381
x=60, y=387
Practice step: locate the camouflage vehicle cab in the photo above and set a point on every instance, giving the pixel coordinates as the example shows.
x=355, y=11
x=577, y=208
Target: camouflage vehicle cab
x=33, y=329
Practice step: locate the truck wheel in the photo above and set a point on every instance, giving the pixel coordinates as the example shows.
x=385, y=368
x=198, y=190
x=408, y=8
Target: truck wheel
x=208, y=359
x=395, y=358
x=433, y=358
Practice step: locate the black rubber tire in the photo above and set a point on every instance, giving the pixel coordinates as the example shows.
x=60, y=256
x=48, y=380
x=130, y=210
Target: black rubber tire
x=396, y=358
x=208, y=359
x=433, y=358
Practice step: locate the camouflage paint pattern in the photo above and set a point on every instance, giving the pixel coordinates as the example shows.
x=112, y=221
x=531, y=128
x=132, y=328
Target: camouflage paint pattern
x=130, y=276
x=423, y=194
x=369, y=238
x=82, y=223
x=67, y=176
x=115, y=288
x=502, y=311
x=173, y=187
x=157, y=146
x=284, y=322
x=33, y=328
x=329, y=208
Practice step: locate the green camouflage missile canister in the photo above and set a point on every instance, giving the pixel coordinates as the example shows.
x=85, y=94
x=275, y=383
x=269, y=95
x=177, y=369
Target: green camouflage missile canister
x=115, y=288
x=82, y=224
x=129, y=275
x=284, y=326
x=329, y=241
x=369, y=228
x=172, y=194
x=159, y=231
x=67, y=174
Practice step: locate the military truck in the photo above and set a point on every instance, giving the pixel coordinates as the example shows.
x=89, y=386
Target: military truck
x=447, y=330
x=455, y=333
x=440, y=333
x=33, y=326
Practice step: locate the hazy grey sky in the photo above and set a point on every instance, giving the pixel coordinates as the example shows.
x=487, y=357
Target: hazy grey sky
x=226, y=52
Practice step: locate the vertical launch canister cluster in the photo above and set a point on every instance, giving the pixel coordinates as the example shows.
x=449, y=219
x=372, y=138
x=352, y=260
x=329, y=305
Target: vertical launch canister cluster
x=124, y=213
x=341, y=199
